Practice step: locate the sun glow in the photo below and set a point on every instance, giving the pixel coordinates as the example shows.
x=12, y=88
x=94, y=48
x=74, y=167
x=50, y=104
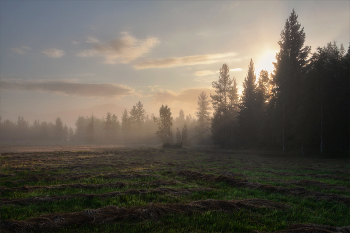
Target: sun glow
x=264, y=61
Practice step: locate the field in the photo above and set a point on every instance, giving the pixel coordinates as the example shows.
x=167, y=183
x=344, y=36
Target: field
x=171, y=190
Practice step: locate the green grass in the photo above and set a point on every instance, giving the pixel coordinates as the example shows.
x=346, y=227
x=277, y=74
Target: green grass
x=301, y=210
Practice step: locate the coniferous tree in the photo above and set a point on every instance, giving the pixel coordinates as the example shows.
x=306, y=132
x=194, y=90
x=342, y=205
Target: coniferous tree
x=178, y=137
x=126, y=124
x=164, y=123
x=247, y=117
x=221, y=132
x=203, y=122
x=326, y=101
x=184, y=135
x=59, y=131
x=137, y=114
x=288, y=74
x=90, y=130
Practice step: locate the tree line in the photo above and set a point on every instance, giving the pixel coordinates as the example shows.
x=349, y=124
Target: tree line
x=303, y=105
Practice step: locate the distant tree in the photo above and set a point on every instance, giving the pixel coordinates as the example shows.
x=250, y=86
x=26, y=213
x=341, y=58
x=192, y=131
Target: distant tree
x=125, y=121
x=222, y=121
x=164, y=123
x=22, y=128
x=203, y=122
x=137, y=114
x=184, y=135
x=59, y=130
x=247, y=116
x=44, y=132
x=90, y=130
x=178, y=137
x=81, y=126
x=181, y=119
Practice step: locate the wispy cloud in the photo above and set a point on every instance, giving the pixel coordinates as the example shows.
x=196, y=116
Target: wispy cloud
x=182, y=61
x=189, y=95
x=53, y=53
x=75, y=42
x=91, y=39
x=213, y=72
x=69, y=88
x=121, y=50
x=20, y=50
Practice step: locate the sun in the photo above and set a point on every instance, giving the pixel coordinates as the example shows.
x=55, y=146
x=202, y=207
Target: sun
x=265, y=60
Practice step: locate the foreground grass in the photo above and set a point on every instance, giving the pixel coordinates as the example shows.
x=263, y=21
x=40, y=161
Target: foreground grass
x=163, y=165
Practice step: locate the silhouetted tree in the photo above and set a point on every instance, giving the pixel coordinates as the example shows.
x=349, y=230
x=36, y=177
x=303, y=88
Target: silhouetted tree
x=288, y=74
x=203, y=122
x=247, y=117
x=184, y=135
x=137, y=114
x=164, y=123
x=59, y=133
x=222, y=120
x=178, y=137
x=90, y=130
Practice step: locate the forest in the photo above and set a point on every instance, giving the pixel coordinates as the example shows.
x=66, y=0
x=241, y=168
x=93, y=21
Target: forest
x=302, y=106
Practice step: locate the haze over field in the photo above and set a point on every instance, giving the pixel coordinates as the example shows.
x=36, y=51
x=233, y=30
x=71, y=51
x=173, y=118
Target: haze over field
x=76, y=58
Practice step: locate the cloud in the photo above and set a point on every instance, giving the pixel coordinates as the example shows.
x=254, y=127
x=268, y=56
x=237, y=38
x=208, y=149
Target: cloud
x=91, y=39
x=182, y=61
x=69, y=88
x=186, y=96
x=75, y=42
x=20, y=50
x=213, y=72
x=53, y=53
x=121, y=50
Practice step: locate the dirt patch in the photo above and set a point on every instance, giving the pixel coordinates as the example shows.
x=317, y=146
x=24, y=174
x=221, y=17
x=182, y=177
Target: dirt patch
x=30, y=200
x=26, y=188
x=236, y=182
x=313, y=228
x=314, y=183
x=78, y=176
x=325, y=176
x=110, y=214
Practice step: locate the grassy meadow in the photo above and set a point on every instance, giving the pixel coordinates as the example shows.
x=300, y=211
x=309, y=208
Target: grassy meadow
x=172, y=190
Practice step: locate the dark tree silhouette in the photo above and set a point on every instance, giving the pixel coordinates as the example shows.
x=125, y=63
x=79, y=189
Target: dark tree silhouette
x=288, y=74
x=247, y=117
x=184, y=135
x=203, y=122
x=59, y=130
x=222, y=120
x=164, y=123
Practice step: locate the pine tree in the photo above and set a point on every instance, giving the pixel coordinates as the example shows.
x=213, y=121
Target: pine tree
x=164, y=123
x=184, y=135
x=59, y=129
x=203, y=122
x=137, y=115
x=108, y=126
x=222, y=120
x=247, y=117
x=90, y=130
x=178, y=137
x=288, y=74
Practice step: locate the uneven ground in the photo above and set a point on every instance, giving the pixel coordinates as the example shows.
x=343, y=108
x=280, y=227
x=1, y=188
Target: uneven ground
x=92, y=189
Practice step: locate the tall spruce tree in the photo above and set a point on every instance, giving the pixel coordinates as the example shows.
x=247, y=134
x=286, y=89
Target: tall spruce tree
x=164, y=122
x=288, y=74
x=203, y=121
x=222, y=120
x=247, y=117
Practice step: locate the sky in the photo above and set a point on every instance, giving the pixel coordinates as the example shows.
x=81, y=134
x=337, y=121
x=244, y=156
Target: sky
x=76, y=58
